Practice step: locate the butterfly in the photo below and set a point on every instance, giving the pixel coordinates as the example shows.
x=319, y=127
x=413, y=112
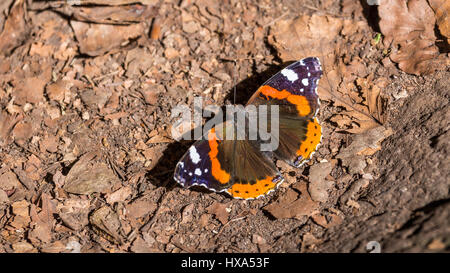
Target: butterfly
x=239, y=167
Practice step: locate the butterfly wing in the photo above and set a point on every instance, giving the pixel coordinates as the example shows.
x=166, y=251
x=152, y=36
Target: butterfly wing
x=294, y=90
x=234, y=166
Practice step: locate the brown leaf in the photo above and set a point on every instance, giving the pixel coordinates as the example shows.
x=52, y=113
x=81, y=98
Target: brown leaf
x=74, y=213
x=442, y=9
x=292, y=204
x=106, y=222
x=141, y=207
x=305, y=36
x=319, y=185
x=56, y=91
x=122, y=15
x=187, y=214
x=112, y=2
x=30, y=90
x=21, y=210
x=363, y=107
x=220, y=211
x=408, y=27
x=118, y=196
x=86, y=177
x=7, y=123
x=23, y=247
x=9, y=181
x=15, y=29
x=42, y=223
x=55, y=247
x=366, y=143
x=97, y=39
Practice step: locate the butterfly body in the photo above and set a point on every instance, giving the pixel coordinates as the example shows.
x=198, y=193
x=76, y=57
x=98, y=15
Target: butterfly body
x=239, y=166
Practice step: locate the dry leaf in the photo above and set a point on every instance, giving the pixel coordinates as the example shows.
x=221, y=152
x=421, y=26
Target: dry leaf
x=442, y=10
x=319, y=185
x=42, y=221
x=9, y=181
x=220, y=211
x=305, y=36
x=7, y=123
x=408, y=27
x=363, y=144
x=106, y=222
x=15, y=29
x=111, y=2
x=86, y=176
x=30, y=90
x=74, y=213
x=187, y=214
x=97, y=39
x=121, y=15
x=118, y=196
x=140, y=207
x=23, y=247
x=292, y=204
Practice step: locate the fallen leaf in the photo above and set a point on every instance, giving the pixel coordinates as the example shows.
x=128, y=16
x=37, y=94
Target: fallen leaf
x=319, y=185
x=186, y=216
x=436, y=244
x=74, y=213
x=57, y=90
x=408, y=27
x=86, y=177
x=220, y=211
x=55, y=247
x=7, y=123
x=121, y=15
x=15, y=29
x=140, y=207
x=118, y=196
x=30, y=90
x=442, y=9
x=363, y=144
x=292, y=204
x=305, y=36
x=9, y=181
x=106, y=222
x=22, y=131
x=3, y=197
x=97, y=39
x=141, y=246
x=23, y=247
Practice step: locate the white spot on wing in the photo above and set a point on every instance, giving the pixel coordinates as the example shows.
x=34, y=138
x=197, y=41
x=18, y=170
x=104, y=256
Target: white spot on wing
x=206, y=170
x=198, y=172
x=289, y=74
x=193, y=154
x=305, y=82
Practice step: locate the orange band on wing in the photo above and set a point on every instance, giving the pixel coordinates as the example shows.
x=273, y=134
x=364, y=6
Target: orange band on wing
x=313, y=136
x=221, y=175
x=301, y=102
x=246, y=191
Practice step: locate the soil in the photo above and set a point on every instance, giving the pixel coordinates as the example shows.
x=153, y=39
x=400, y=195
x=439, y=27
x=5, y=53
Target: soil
x=87, y=156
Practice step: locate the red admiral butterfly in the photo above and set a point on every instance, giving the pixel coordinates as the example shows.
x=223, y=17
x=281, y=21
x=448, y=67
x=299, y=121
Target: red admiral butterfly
x=238, y=167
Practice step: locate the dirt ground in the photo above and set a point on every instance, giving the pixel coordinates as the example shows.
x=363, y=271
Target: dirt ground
x=87, y=156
